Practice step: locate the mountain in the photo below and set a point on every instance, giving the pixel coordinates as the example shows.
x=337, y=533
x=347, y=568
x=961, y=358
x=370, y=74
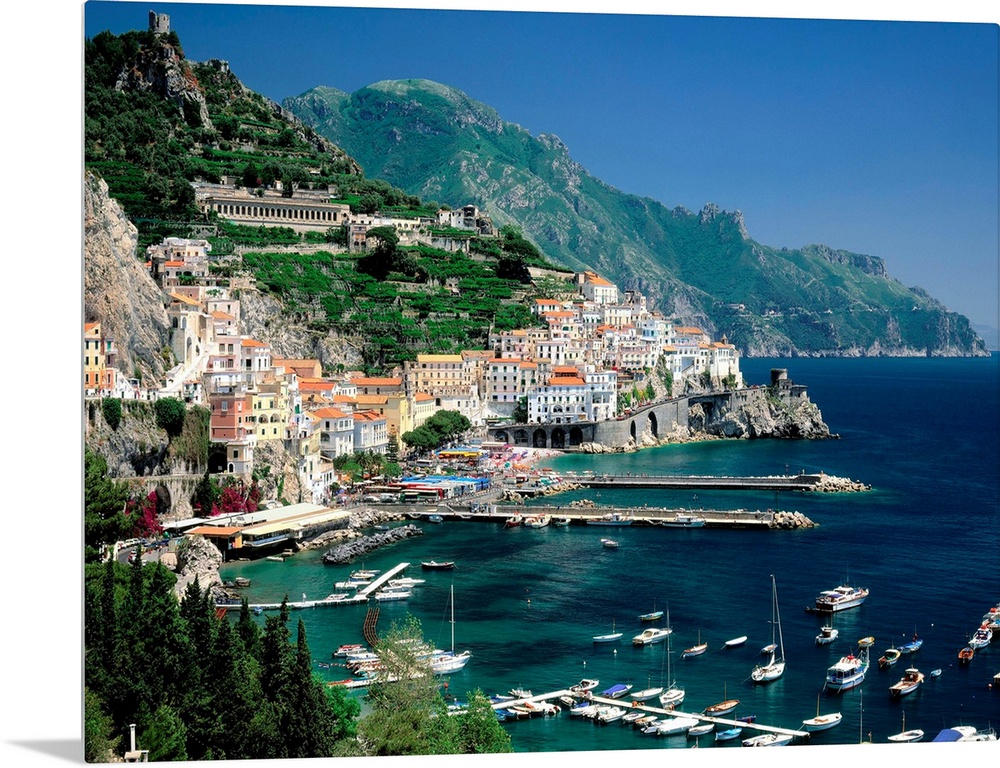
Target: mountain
x=702, y=268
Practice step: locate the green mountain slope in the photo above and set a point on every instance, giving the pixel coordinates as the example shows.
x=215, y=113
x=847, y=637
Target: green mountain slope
x=434, y=141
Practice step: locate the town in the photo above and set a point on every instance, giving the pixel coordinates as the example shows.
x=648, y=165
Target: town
x=590, y=357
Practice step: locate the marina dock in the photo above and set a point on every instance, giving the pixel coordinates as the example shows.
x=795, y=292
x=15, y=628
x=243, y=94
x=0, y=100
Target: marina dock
x=800, y=482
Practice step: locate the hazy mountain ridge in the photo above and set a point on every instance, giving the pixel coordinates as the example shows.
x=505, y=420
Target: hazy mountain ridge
x=436, y=142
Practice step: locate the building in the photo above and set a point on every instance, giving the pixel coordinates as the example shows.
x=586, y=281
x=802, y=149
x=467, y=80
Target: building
x=303, y=212
x=99, y=356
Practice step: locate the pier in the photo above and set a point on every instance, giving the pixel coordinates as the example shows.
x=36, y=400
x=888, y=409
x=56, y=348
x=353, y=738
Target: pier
x=628, y=705
x=800, y=482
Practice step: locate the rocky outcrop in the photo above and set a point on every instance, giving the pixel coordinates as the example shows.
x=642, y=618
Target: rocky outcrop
x=198, y=558
x=117, y=288
x=347, y=552
x=831, y=484
x=762, y=416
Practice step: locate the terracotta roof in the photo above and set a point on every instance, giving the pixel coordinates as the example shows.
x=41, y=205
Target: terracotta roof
x=368, y=416
x=372, y=399
x=214, y=530
x=253, y=343
x=505, y=361
x=377, y=382
x=572, y=370
x=566, y=381
x=183, y=299
x=345, y=399
x=330, y=413
x=422, y=397
x=315, y=385
x=559, y=314
x=528, y=364
x=173, y=263
x=439, y=358
x=595, y=280
x=90, y=327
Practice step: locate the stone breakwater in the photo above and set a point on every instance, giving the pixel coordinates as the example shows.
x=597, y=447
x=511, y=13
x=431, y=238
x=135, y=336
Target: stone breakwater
x=791, y=520
x=344, y=553
x=831, y=484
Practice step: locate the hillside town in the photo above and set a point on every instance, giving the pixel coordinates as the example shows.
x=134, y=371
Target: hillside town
x=589, y=358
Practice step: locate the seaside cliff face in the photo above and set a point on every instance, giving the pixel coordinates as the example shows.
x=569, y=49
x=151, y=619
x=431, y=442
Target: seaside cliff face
x=762, y=416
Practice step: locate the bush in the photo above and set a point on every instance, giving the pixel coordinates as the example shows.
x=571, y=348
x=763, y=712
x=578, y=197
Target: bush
x=170, y=415
x=111, y=407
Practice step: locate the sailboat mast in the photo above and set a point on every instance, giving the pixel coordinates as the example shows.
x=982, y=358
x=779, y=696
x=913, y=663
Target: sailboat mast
x=777, y=612
x=452, y=618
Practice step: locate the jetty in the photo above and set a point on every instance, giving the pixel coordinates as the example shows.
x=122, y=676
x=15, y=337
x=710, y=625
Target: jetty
x=800, y=482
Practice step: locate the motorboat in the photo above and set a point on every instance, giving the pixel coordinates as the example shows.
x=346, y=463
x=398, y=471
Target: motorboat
x=513, y=521
x=965, y=733
x=684, y=520
x=728, y=734
x=848, y=672
x=582, y=709
x=584, y=685
x=644, y=721
x=611, y=714
x=560, y=521
x=521, y=693
x=537, y=521
x=905, y=736
x=736, y=642
x=768, y=740
x=910, y=681
x=695, y=650
x=611, y=518
x=348, y=648
x=651, y=635
x=616, y=691
x=672, y=726
x=435, y=519
x=436, y=565
x=913, y=646
x=827, y=634
x=609, y=543
x=775, y=668
x=611, y=637
x=631, y=717
x=388, y=595
x=890, y=657
x=980, y=638
x=967, y=654
x=937, y=673
x=840, y=598
x=866, y=642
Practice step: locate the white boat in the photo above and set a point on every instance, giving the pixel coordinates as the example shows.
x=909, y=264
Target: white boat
x=450, y=661
x=905, y=736
x=651, y=635
x=275, y=558
x=435, y=519
x=684, y=520
x=673, y=694
x=521, y=693
x=768, y=740
x=775, y=668
x=562, y=522
x=840, y=599
x=406, y=581
x=611, y=637
x=609, y=543
x=827, y=634
x=537, y=521
x=388, y=595
x=587, y=684
x=848, y=672
x=866, y=642
x=736, y=642
x=821, y=722
x=910, y=681
x=583, y=709
x=980, y=638
x=724, y=707
x=611, y=714
x=644, y=721
x=647, y=693
x=700, y=730
x=672, y=726
x=616, y=691
x=632, y=716
x=611, y=518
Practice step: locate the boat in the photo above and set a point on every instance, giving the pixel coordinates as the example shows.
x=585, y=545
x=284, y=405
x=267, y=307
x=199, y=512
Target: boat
x=695, y=650
x=905, y=736
x=910, y=681
x=890, y=657
x=965, y=733
x=768, y=740
x=611, y=714
x=435, y=518
x=937, y=673
x=848, y=672
x=632, y=716
x=821, y=722
x=387, y=595
x=724, y=707
x=584, y=685
x=672, y=726
x=768, y=649
x=644, y=721
x=449, y=661
x=257, y=610
x=967, y=654
x=684, y=520
x=647, y=693
x=673, y=694
x=611, y=637
x=352, y=583
x=728, y=734
x=616, y=691
x=611, y=518
x=537, y=521
x=653, y=615
x=609, y=543
x=275, y=558
x=736, y=642
x=521, y=693
x=651, y=635
x=364, y=573
x=513, y=521
x=980, y=638
x=913, y=646
x=840, y=599
x=866, y=642
x=700, y=730
x=827, y=634
x=582, y=709
x=435, y=565
x=775, y=668
x=348, y=649
x=560, y=521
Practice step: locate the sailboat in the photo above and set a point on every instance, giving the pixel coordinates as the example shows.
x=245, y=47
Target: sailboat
x=652, y=615
x=765, y=673
x=905, y=736
x=610, y=637
x=448, y=661
x=695, y=650
x=821, y=722
x=724, y=707
x=673, y=695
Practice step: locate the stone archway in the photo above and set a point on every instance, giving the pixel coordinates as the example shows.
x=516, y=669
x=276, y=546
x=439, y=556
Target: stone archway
x=575, y=436
x=521, y=437
x=631, y=430
x=558, y=438
x=652, y=424
x=501, y=437
x=538, y=439
x=163, y=500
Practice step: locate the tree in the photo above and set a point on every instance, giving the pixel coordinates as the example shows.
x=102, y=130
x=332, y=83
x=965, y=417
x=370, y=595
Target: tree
x=111, y=407
x=520, y=412
x=165, y=736
x=479, y=731
x=104, y=519
x=98, y=744
x=170, y=415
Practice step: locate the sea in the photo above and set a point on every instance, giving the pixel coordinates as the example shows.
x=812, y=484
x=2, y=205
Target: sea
x=924, y=433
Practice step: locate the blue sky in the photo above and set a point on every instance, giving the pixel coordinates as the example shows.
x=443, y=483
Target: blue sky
x=878, y=137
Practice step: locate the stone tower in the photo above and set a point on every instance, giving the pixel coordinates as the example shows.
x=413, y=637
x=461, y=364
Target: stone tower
x=159, y=23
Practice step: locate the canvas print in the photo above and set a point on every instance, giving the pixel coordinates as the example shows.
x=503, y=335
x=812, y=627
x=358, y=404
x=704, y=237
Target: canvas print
x=467, y=382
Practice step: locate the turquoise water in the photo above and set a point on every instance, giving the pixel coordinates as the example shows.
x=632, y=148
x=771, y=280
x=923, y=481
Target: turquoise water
x=926, y=541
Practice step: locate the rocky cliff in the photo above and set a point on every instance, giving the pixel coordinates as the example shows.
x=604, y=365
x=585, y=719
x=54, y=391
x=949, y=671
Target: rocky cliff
x=117, y=288
x=760, y=416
